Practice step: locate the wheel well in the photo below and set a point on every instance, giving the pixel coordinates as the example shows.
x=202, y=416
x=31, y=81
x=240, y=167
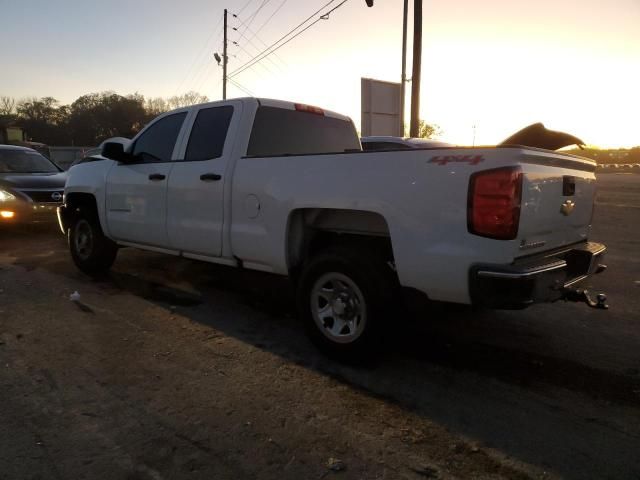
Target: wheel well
x=74, y=201
x=315, y=229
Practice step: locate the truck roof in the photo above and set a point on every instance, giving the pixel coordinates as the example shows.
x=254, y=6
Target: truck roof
x=271, y=102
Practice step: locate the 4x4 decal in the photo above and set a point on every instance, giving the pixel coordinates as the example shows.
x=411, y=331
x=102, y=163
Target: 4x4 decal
x=444, y=159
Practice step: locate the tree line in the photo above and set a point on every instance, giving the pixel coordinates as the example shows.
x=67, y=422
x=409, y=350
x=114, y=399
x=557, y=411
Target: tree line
x=90, y=119
x=609, y=156
x=94, y=117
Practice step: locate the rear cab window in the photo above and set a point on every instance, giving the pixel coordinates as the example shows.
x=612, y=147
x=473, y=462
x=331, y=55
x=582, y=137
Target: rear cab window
x=280, y=131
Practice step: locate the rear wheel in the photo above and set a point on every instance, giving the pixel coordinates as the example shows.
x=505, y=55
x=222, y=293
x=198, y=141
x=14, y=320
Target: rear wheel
x=344, y=299
x=92, y=252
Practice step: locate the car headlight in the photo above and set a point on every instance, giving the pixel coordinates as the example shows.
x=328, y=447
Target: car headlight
x=6, y=196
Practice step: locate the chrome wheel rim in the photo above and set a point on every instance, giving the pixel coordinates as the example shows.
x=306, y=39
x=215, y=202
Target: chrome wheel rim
x=83, y=239
x=338, y=307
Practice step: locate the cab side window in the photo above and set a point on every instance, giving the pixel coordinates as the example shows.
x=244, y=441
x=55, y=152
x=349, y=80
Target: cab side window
x=209, y=133
x=157, y=142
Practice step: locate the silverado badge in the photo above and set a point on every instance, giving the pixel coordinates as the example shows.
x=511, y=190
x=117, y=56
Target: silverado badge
x=567, y=207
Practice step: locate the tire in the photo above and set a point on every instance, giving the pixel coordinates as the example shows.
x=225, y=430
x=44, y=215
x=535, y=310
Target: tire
x=344, y=298
x=91, y=251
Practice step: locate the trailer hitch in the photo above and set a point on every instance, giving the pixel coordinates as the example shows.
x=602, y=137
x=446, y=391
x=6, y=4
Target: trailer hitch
x=578, y=295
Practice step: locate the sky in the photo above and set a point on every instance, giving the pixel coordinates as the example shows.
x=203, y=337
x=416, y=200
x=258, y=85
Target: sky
x=496, y=65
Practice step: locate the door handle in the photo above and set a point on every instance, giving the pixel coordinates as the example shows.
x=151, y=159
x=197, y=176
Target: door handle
x=210, y=177
x=157, y=176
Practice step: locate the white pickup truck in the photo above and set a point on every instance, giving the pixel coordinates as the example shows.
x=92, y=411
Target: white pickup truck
x=286, y=188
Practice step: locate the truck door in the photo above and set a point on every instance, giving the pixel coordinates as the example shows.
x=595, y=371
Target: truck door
x=196, y=185
x=136, y=193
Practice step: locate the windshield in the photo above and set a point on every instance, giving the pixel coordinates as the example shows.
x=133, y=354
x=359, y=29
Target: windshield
x=24, y=161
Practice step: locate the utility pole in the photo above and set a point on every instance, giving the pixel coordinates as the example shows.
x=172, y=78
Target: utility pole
x=224, y=59
x=417, y=60
x=403, y=80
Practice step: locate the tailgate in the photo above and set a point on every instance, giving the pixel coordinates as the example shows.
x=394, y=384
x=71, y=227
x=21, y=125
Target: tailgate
x=557, y=200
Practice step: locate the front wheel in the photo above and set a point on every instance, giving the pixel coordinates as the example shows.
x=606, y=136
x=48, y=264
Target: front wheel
x=92, y=252
x=343, y=299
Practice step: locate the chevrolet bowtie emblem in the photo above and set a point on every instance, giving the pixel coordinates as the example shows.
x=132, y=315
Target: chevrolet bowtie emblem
x=567, y=207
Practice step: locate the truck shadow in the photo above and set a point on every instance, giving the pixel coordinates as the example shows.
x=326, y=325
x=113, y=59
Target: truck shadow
x=551, y=412
x=439, y=367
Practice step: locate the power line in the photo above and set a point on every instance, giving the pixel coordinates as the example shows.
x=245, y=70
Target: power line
x=267, y=52
x=269, y=19
x=245, y=6
x=215, y=88
x=254, y=46
x=253, y=15
x=208, y=70
x=254, y=35
x=203, y=73
x=284, y=36
x=208, y=73
x=243, y=88
x=326, y=15
x=240, y=87
x=242, y=67
x=249, y=54
x=189, y=72
x=206, y=59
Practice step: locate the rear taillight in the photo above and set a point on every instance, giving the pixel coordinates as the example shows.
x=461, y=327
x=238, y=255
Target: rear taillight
x=494, y=203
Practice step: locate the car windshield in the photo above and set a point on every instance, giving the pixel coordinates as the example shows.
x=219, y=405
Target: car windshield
x=24, y=161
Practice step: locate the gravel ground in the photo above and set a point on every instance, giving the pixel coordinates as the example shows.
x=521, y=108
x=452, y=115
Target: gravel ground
x=171, y=369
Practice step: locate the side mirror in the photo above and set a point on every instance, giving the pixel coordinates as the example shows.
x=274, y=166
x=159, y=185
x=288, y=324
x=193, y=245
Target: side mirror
x=115, y=151
x=369, y=3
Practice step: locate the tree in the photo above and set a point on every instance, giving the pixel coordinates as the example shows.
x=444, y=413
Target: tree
x=185, y=100
x=97, y=116
x=155, y=106
x=7, y=105
x=91, y=118
x=38, y=110
x=428, y=130
x=43, y=120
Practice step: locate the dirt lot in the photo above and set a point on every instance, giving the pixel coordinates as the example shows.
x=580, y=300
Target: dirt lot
x=172, y=369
